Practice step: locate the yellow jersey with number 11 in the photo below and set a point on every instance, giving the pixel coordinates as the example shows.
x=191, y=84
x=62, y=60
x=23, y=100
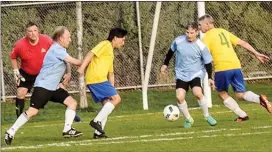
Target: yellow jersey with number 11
x=219, y=41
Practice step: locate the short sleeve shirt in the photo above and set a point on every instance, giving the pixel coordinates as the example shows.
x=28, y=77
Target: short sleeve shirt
x=53, y=68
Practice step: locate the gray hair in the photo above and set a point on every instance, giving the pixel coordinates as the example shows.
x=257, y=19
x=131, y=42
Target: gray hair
x=206, y=16
x=59, y=31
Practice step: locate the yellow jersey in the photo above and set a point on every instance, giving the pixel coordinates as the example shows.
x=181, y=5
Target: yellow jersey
x=219, y=41
x=101, y=63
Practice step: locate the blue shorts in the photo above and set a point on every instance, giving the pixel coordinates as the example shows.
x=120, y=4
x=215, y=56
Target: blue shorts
x=230, y=77
x=102, y=91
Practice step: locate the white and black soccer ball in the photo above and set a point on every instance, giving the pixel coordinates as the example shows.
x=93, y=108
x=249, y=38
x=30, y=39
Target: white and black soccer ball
x=171, y=113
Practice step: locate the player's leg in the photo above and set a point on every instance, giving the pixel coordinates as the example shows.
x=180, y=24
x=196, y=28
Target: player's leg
x=222, y=81
x=20, y=100
x=97, y=134
x=77, y=118
x=181, y=89
x=195, y=84
x=101, y=92
x=23, y=88
x=63, y=97
x=238, y=86
x=105, y=112
x=38, y=99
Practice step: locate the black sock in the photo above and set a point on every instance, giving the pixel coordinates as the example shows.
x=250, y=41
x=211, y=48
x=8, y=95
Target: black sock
x=20, y=104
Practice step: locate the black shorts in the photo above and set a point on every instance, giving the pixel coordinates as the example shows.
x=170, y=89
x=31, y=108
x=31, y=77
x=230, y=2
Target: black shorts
x=29, y=80
x=185, y=85
x=41, y=96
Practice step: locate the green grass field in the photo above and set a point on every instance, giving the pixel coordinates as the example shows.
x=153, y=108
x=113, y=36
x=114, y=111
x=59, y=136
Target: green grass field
x=134, y=130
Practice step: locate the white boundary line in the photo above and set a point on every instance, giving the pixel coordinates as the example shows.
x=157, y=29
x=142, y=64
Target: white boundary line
x=154, y=138
x=132, y=115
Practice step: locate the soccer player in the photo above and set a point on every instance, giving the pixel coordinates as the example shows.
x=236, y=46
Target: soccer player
x=228, y=68
x=47, y=88
x=193, y=59
x=100, y=77
x=31, y=50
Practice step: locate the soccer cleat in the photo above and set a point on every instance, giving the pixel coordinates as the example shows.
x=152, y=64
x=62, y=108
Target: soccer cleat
x=188, y=122
x=71, y=133
x=77, y=119
x=211, y=120
x=97, y=125
x=265, y=103
x=96, y=136
x=240, y=119
x=8, y=138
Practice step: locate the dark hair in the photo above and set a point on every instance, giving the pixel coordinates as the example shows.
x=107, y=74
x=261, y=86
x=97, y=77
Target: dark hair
x=206, y=16
x=118, y=32
x=30, y=23
x=193, y=25
x=59, y=31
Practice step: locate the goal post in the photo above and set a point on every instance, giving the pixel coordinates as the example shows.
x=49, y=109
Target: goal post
x=150, y=55
x=206, y=87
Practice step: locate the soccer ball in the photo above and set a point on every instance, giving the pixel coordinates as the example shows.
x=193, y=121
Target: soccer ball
x=171, y=113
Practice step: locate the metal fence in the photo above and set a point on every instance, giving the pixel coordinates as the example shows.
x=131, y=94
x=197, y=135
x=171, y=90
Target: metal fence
x=99, y=17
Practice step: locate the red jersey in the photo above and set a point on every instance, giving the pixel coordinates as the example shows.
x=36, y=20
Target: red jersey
x=31, y=55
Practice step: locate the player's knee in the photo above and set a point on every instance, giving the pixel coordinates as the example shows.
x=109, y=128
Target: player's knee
x=223, y=95
x=240, y=96
x=21, y=93
x=198, y=95
x=180, y=98
x=31, y=112
x=70, y=103
x=116, y=100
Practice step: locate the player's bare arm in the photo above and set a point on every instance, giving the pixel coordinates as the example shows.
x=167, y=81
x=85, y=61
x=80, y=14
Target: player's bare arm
x=85, y=63
x=111, y=77
x=261, y=57
x=67, y=75
x=72, y=60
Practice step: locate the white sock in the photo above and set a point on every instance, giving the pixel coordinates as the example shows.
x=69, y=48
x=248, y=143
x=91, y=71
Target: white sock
x=104, y=112
x=22, y=119
x=184, y=109
x=252, y=97
x=103, y=123
x=233, y=106
x=204, y=107
x=69, y=118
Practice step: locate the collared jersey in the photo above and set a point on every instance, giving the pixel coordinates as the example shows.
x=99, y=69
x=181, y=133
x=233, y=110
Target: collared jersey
x=31, y=56
x=101, y=63
x=53, y=68
x=190, y=58
x=219, y=41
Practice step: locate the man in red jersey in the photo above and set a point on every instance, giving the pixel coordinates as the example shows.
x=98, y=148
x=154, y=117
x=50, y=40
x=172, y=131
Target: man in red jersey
x=31, y=50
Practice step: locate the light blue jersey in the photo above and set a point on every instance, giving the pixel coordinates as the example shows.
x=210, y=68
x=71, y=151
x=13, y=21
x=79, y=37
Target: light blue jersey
x=190, y=58
x=53, y=68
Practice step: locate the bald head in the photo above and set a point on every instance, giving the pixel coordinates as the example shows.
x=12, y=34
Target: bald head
x=206, y=23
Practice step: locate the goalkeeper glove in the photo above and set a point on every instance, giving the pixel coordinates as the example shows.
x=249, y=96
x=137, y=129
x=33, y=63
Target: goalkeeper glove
x=18, y=77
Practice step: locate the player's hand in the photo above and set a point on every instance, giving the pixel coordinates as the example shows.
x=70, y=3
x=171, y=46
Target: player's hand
x=211, y=83
x=61, y=86
x=262, y=58
x=66, y=78
x=80, y=72
x=163, y=69
x=18, y=77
